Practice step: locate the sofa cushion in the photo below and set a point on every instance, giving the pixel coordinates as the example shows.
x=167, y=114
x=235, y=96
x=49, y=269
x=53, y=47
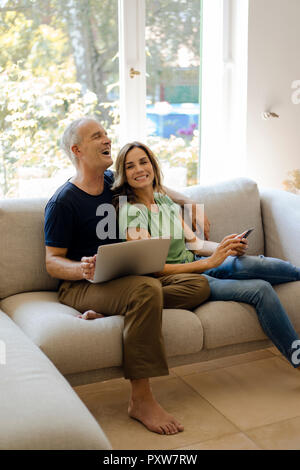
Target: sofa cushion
x=281, y=221
x=39, y=409
x=232, y=207
x=22, y=250
x=182, y=332
x=75, y=345
x=228, y=323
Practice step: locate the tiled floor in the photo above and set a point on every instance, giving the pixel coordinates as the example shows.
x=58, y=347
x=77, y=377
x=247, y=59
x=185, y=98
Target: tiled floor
x=251, y=401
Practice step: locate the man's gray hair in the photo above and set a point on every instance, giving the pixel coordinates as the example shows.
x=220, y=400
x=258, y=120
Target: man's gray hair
x=71, y=137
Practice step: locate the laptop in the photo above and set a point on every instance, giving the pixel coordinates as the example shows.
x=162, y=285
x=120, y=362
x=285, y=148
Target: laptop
x=135, y=257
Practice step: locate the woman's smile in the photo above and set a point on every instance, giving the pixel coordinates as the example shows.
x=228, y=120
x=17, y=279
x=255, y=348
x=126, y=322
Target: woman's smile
x=141, y=178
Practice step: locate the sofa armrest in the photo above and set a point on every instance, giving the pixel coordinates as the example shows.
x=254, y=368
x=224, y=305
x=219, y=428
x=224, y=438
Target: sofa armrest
x=39, y=409
x=281, y=223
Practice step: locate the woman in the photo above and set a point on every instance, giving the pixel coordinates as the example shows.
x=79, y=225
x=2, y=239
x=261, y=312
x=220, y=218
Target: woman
x=145, y=211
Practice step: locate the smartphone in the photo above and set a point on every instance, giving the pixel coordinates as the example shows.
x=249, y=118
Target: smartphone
x=246, y=233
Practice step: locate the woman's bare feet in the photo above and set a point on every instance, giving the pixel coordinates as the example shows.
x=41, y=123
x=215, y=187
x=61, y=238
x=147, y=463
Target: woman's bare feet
x=90, y=315
x=145, y=409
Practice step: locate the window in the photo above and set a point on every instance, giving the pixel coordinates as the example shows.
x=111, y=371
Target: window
x=160, y=102
x=58, y=61
x=150, y=69
x=173, y=85
x=224, y=90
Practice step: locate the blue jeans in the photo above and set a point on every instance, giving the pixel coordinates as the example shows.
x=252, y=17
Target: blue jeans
x=249, y=279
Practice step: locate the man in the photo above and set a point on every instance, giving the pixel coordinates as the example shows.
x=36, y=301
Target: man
x=71, y=243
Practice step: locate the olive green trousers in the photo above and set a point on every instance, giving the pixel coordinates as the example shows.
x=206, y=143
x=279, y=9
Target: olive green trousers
x=140, y=299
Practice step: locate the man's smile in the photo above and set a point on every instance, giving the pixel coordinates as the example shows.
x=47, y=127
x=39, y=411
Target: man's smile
x=106, y=152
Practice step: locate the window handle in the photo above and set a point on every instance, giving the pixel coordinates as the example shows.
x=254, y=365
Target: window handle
x=269, y=115
x=133, y=72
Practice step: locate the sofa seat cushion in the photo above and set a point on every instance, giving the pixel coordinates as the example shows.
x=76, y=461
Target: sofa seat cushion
x=182, y=332
x=39, y=409
x=75, y=345
x=72, y=344
x=229, y=323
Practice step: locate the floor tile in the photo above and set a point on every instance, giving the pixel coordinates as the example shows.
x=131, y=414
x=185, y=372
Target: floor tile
x=201, y=420
x=284, y=435
x=221, y=362
x=252, y=394
x=236, y=441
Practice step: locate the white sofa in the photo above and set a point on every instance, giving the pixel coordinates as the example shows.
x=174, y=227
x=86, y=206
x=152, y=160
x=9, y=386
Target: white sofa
x=89, y=351
x=39, y=409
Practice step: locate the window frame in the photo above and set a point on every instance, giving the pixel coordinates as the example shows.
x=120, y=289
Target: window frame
x=223, y=83
x=132, y=56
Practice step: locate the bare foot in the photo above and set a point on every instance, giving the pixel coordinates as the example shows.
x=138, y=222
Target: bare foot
x=153, y=416
x=90, y=315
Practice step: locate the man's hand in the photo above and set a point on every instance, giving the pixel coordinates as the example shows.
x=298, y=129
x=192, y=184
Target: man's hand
x=87, y=266
x=206, y=227
x=199, y=219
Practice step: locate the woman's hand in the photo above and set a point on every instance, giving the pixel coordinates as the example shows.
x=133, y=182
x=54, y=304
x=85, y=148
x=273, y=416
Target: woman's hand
x=229, y=246
x=241, y=250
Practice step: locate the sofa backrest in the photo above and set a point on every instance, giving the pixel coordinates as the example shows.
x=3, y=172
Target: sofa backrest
x=22, y=250
x=232, y=207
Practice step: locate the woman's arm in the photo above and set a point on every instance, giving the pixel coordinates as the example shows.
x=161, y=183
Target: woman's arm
x=226, y=248
x=134, y=233
x=206, y=247
x=195, y=244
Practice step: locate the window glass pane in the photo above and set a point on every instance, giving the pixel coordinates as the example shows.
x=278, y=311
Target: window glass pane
x=173, y=64
x=58, y=62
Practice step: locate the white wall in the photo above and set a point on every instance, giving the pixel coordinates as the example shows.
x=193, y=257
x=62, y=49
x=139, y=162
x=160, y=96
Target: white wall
x=273, y=146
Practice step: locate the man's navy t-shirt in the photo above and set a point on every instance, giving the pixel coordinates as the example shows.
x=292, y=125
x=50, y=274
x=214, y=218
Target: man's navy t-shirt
x=71, y=220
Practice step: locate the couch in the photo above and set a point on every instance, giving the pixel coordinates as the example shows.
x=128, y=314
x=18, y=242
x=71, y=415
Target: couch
x=49, y=349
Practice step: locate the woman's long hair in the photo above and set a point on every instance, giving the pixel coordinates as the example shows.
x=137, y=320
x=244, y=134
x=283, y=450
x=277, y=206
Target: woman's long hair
x=120, y=186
